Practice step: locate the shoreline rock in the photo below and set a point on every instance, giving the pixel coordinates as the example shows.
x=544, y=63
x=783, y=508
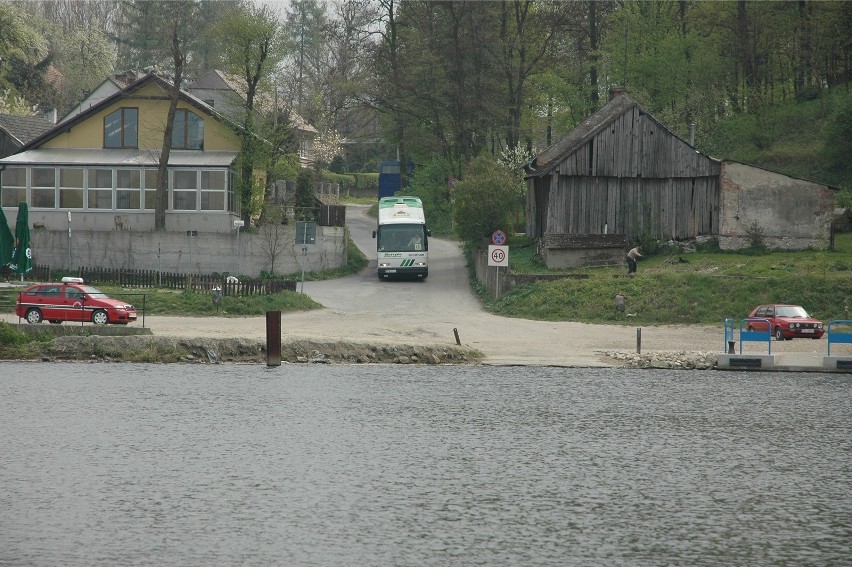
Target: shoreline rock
x=683, y=360
x=152, y=349
x=165, y=350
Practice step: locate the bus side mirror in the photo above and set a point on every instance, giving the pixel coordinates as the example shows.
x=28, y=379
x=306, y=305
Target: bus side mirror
x=374, y=234
x=428, y=232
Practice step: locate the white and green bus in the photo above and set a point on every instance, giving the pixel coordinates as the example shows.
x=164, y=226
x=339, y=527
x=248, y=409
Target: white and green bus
x=402, y=245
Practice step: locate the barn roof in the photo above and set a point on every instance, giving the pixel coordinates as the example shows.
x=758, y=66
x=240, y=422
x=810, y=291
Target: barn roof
x=548, y=159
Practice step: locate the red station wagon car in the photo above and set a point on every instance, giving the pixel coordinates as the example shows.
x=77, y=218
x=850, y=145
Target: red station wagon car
x=786, y=322
x=71, y=300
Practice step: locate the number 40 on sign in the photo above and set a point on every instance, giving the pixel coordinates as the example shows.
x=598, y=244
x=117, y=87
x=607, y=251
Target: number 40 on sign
x=498, y=256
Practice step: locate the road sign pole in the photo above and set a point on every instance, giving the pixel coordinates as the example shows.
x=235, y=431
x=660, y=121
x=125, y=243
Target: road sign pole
x=304, y=259
x=498, y=282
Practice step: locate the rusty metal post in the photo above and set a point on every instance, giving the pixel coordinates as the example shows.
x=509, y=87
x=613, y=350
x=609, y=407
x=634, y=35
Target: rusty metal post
x=456, y=332
x=273, y=338
x=638, y=340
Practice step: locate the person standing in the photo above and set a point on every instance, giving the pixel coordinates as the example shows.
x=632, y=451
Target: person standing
x=632, y=257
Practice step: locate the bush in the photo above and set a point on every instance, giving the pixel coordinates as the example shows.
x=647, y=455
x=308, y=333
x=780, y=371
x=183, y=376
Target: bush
x=345, y=181
x=837, y=138
x=10, y=336
x=429, y=183
x=486, y=199
x=756, y=236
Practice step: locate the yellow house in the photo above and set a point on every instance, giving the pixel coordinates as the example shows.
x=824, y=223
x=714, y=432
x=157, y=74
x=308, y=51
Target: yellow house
x=100, y=167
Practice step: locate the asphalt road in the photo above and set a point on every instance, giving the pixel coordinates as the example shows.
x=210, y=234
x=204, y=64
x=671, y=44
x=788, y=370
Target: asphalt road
x=363, y=309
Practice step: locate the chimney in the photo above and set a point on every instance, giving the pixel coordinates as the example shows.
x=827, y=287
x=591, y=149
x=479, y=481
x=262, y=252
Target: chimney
x=51, y=116
x=615, y=91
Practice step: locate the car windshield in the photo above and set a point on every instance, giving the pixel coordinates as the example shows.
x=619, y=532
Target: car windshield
x=790, y=311
x=93, y=292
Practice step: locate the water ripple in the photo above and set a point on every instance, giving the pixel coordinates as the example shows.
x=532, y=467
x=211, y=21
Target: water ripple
x=392, y=465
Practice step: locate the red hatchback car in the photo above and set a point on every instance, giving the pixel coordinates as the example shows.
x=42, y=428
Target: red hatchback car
x=786, y=321
x=71, y=300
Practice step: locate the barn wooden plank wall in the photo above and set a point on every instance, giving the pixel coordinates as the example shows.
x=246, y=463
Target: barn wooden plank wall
x=633, y=177
x=635, y=145
x=677, y=208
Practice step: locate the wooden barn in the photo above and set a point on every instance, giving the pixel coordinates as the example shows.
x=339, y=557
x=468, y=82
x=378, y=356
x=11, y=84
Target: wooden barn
x=619, y=176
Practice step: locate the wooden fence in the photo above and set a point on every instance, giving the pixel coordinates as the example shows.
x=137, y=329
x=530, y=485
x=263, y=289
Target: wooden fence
x=170, y=280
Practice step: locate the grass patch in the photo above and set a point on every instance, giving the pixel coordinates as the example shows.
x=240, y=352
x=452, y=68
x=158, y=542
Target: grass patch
x=674, y=287
x=355, y=262
x=161, y=301
x=15, y=345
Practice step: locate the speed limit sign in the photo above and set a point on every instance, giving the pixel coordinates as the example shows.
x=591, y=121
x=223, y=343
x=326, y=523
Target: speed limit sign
x=498, y=256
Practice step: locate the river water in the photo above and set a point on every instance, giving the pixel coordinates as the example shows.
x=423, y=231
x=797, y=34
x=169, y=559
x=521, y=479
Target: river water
x=126, y=464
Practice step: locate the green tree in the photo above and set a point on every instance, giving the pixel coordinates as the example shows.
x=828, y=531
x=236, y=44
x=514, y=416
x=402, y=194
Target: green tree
x=253, y=46
x=433, y=183
x=305, y=22
x=837, y=139
x=138, y=35
x=485, y=200
x=175, y=20
x=24, y=58
x=85, y=58
x=527, y=31
x=305, y=202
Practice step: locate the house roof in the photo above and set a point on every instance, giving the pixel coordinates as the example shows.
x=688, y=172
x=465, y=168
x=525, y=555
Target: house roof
x=112, y=158
x=588, y=129
x=23, y=129
x=139, y=84
x=107, y=87
x=216, y=79
x=219, y=80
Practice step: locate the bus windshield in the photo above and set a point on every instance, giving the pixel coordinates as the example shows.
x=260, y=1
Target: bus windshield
x=402, y=238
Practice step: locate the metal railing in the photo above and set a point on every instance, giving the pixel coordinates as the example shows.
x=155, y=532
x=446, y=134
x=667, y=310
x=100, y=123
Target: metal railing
x=841, y=338
x=749, y=335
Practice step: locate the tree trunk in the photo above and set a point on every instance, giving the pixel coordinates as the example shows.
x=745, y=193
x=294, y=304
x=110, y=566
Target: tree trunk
x=594, y=38
x=162, y=171
x=746, y=53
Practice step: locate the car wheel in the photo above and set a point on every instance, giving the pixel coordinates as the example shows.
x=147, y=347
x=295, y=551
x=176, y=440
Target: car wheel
x=779, y=336
x=34, y=316
x=99, y=317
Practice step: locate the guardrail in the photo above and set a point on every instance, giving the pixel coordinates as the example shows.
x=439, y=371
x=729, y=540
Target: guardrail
x=756, y=336
x=729, y=325
x=844, y=338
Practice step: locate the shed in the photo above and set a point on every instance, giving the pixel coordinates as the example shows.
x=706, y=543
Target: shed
x=622, y=172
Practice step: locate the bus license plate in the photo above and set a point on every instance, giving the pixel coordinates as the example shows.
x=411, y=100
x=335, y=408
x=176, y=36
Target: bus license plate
x=390, y=271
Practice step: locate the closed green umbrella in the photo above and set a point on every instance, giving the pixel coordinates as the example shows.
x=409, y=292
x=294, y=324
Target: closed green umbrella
x=7, y=241
x=22, y=254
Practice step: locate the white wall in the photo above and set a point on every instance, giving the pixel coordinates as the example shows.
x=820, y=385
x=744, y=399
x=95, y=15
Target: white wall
x=206, y=253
